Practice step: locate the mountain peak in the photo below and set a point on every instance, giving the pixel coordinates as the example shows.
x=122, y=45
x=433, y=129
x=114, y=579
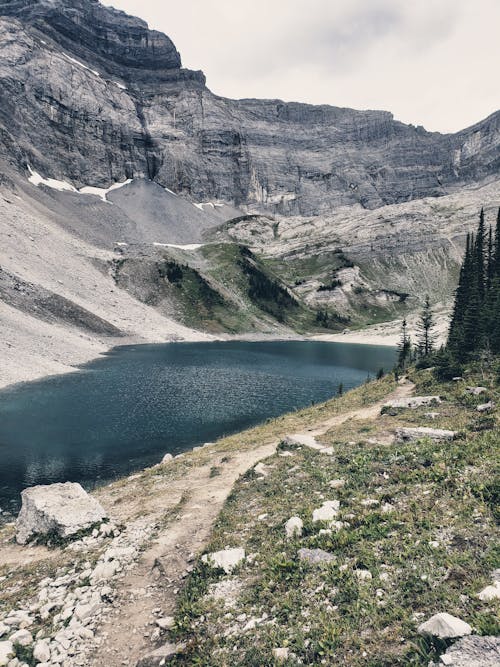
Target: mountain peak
x=102, y=31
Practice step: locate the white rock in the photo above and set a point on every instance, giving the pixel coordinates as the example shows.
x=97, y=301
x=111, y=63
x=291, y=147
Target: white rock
x=165, y=623
x=104, y=571
x=167, y=458
x=281, y=654
x=227, y=559
x=41, y=651
x=6, y=652
x=445, y=626
x=485, y=407
x=337, y=483
x=327, y=512
x=261, y=469
x=476, y=391
x=83, y=611
x=370, y=502
x=490, y=592
x=363, y=575
x=414, y=402
x=63, y=509
x=294, y=527
x=22, y=637
x=411, y=434
x=304, y=439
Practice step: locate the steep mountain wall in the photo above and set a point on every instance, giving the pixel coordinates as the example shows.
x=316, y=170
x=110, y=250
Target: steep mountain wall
x=91, y=95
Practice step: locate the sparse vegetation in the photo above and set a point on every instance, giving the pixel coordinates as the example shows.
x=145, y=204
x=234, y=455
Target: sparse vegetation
x=417, y=516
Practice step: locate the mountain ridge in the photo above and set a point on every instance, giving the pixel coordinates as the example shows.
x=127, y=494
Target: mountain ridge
x=129, y=110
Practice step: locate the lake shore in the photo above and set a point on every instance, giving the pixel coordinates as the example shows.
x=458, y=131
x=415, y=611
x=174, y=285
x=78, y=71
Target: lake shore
x=67, y=351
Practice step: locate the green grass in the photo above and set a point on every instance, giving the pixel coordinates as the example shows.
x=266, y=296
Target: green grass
x=433, y=551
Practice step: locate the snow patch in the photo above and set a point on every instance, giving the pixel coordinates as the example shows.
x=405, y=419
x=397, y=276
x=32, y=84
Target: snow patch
x=208, y=203
x=77, y=62
x=53, y=183
x=171, y=192
x=103, y=192
x=36, y=179
x=186, y=246
x=120, y=85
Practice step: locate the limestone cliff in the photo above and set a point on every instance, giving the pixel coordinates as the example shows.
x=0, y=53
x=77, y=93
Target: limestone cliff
x=91, y=95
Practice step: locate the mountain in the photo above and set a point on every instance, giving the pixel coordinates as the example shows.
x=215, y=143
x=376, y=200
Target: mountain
x=136, y=205
x=90, y=95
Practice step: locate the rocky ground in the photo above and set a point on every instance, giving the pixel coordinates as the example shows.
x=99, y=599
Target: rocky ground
x=341, y=544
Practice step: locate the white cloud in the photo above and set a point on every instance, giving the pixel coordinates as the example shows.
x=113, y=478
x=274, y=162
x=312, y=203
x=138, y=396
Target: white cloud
x=431, y=62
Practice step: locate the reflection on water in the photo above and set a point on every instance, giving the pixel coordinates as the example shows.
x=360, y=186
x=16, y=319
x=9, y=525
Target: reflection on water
x=127, y=409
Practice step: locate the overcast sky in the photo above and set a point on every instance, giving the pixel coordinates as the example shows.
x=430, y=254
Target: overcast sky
x=431, y=62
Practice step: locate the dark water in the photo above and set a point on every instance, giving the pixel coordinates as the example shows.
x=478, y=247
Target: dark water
x=126, y=410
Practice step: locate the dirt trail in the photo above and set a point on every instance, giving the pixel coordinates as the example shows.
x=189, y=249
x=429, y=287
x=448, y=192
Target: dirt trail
x=150, y=588
x=153, y=583
x=371, y=412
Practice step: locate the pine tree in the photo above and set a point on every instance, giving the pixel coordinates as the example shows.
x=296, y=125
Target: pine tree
x=476, y=317
x=456, y=334
x=424, y=327
x=404, y=347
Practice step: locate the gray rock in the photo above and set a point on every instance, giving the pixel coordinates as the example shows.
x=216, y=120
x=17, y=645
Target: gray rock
x=476, y=391
x=412, y=434
x=315, y=556
x=473, y=652
x=161, y=656
x=414, y=402
x=193, y=141
x=56, y=509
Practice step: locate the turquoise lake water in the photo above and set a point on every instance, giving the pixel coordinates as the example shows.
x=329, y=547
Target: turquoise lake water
x=125, y=410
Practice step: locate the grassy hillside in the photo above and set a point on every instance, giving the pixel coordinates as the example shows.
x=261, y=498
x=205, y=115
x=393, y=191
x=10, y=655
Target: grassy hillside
x=420, y=517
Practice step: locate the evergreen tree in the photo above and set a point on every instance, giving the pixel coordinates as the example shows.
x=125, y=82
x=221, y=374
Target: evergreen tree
x=404, y=347
x=425, y=345
x=476, y=314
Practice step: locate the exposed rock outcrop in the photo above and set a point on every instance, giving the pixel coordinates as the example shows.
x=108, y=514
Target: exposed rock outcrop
x=74, y=72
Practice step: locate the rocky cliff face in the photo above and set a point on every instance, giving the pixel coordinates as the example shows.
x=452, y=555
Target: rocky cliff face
x=91, y=95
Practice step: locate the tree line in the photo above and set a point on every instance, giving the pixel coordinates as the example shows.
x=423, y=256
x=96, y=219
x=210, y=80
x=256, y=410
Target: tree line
x=475, y=322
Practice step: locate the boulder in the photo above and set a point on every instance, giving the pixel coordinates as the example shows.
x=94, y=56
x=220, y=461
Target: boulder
x=227, y=559
x=167, y=458
x=56, y=509
x=473, y=652
x=336, y=483
x=315, y=556
x=476, y=391
x=6, y=653
x=445, y=626
x=412, y=434
x=414, y=402
x=294, y=526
